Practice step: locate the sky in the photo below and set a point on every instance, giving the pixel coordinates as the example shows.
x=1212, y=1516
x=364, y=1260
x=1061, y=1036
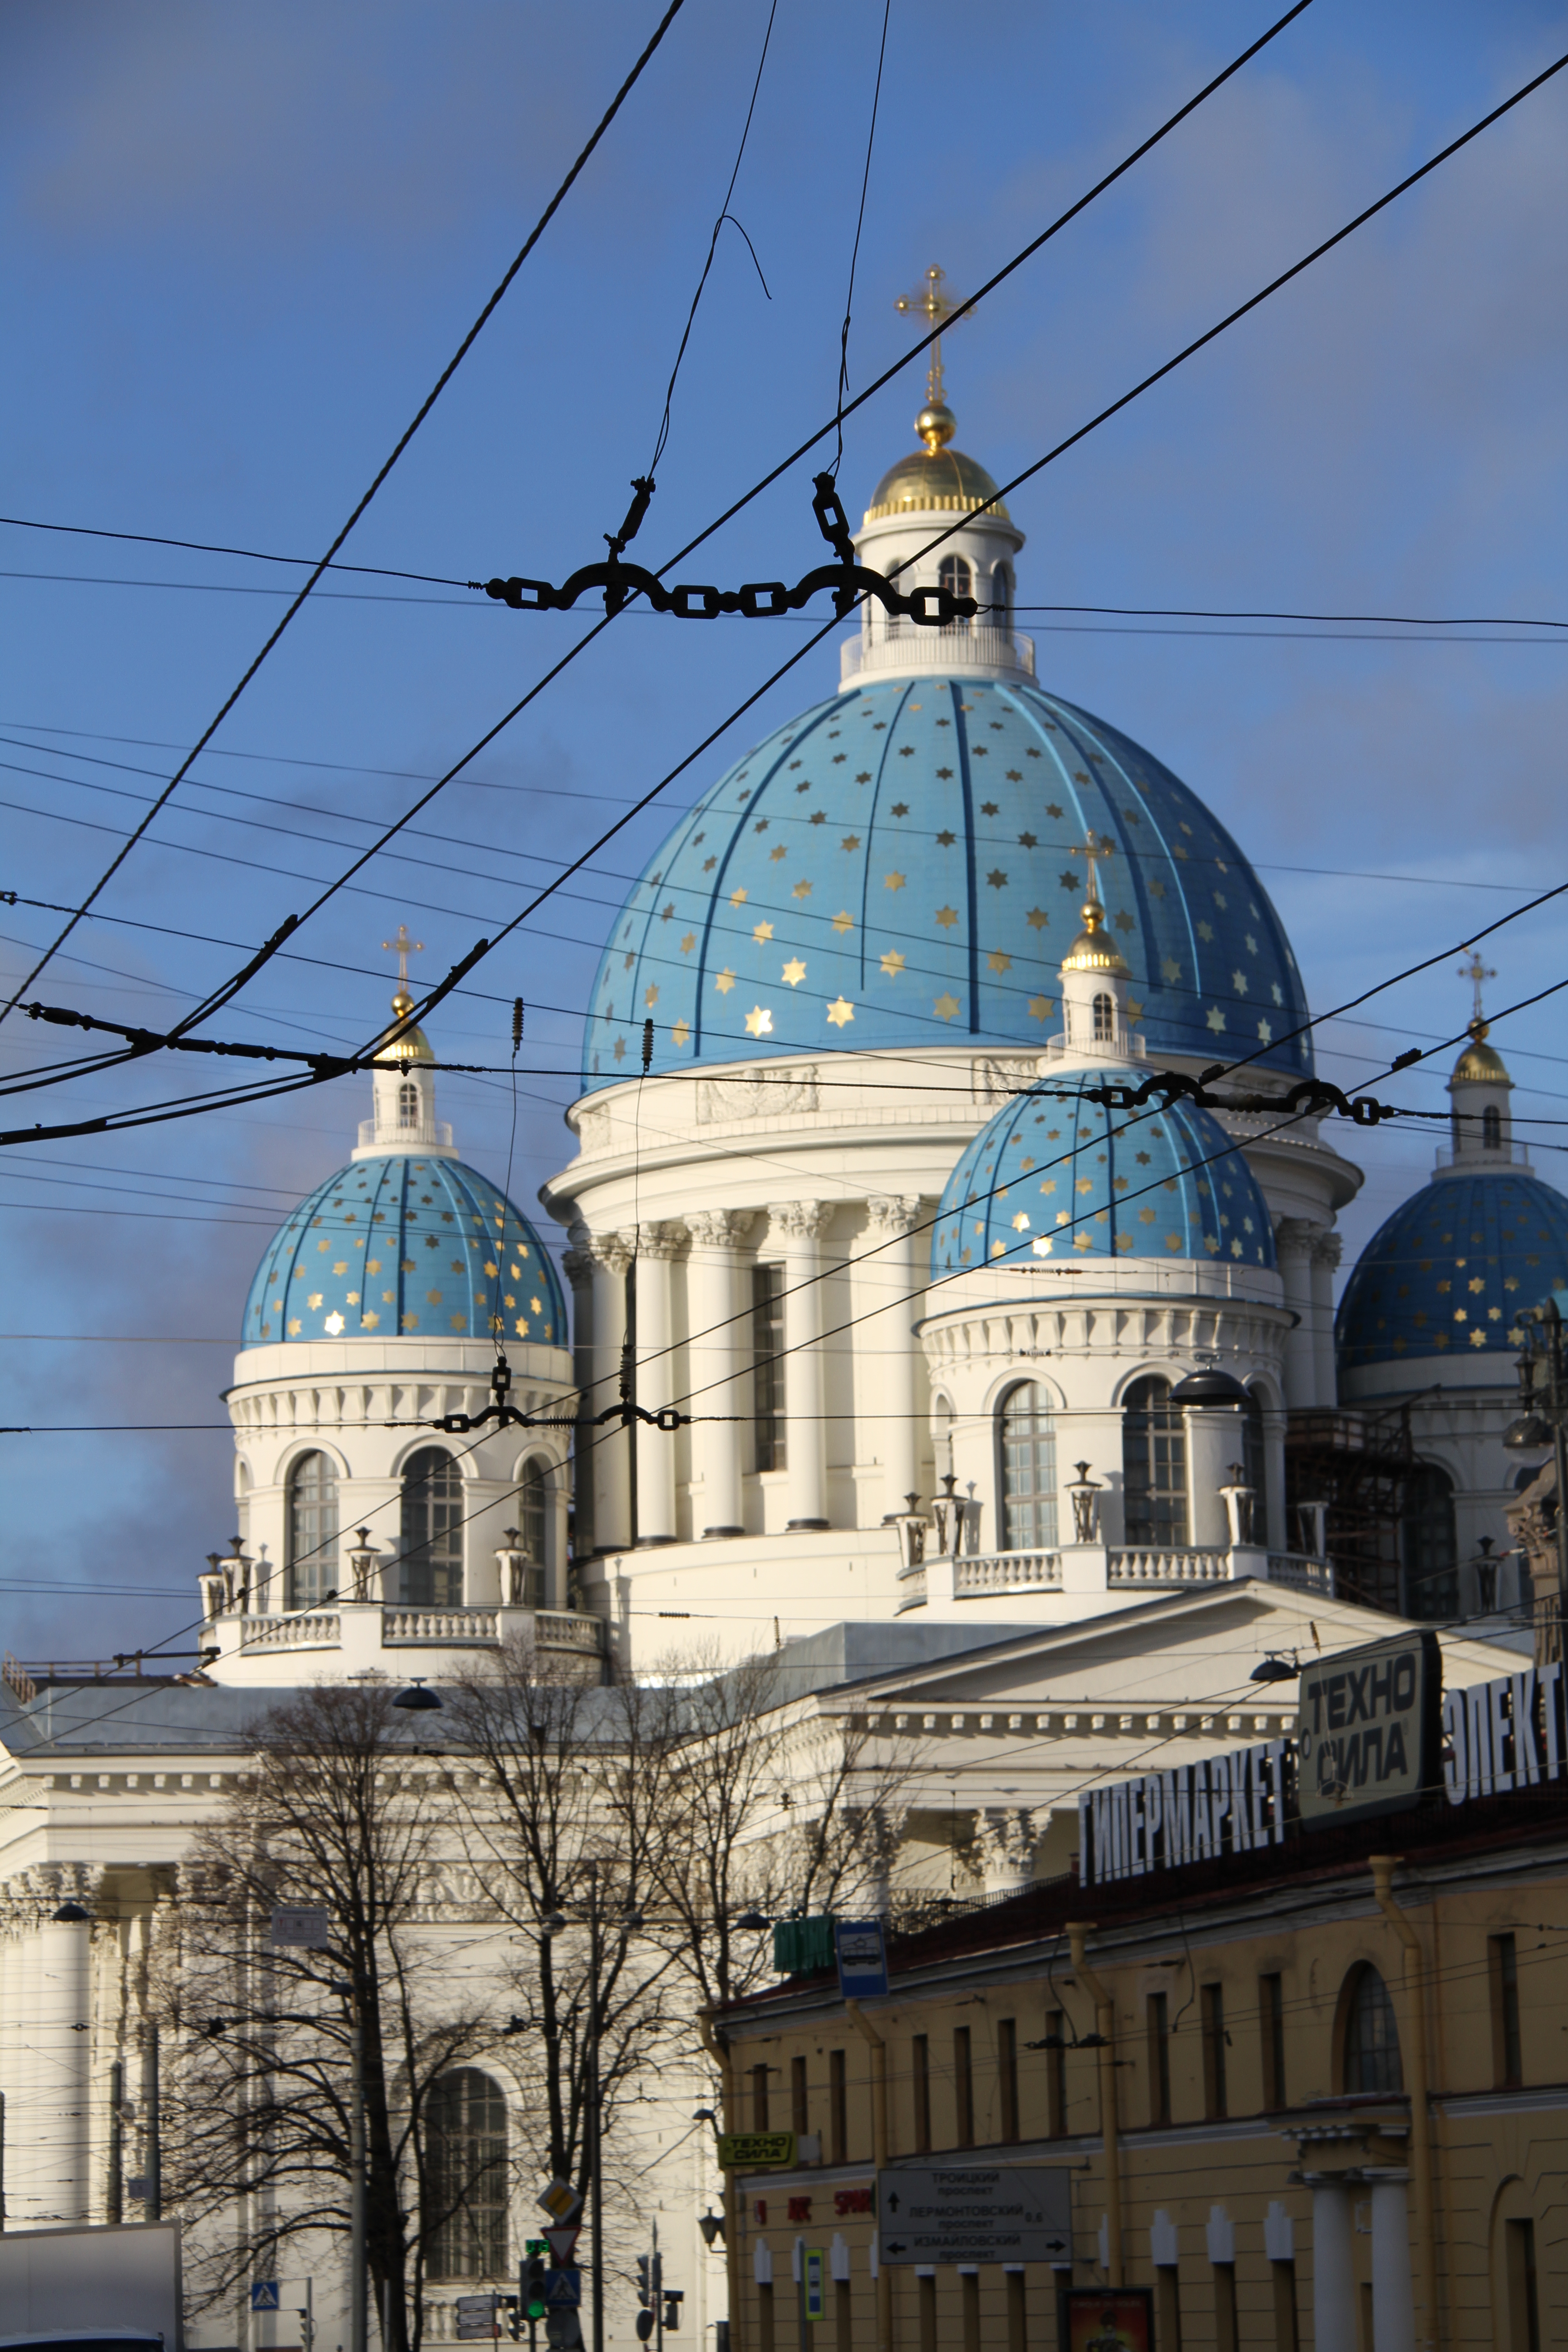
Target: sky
x=237, y=248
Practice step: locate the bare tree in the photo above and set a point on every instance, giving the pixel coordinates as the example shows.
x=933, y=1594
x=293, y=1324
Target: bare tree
x=339, y=1811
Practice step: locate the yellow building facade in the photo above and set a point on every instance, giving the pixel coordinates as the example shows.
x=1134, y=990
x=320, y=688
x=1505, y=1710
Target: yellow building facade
x=1310, y=2094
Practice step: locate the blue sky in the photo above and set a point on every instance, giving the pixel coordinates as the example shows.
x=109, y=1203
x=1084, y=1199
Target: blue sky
x=236, y=247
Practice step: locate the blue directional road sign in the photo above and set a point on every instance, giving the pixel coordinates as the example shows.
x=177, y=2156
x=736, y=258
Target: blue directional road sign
x=563, y=2288
x=263, y=2295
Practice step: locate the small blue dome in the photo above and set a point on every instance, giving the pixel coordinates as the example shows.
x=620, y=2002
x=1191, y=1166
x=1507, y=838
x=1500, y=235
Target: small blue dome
x=1451, y=1269
x=901, y=867
x=393, y=1247
x=1046, y=1178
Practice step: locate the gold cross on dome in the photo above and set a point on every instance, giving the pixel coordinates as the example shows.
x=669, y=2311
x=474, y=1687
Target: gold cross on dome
x=929, y=302
x=1091, y=846
x=403, y=947
x=1476, y=971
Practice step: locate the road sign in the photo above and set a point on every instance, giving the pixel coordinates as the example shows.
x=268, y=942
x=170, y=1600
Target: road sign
x=300, y=1923
x=263, y=2295
x=815, y=2267
x=751, y=2151
x=476, y=2317
x=862, y=1958
x=563, y=2242
x=563, y=2288
x=563, y=2331
x=974, y=2213
x=560, y=2201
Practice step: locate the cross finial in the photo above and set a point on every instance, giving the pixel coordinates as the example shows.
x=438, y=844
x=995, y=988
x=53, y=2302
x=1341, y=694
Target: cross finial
x=403, y=947
x=929, y=302
x=1476, y=973
x=1091, y=846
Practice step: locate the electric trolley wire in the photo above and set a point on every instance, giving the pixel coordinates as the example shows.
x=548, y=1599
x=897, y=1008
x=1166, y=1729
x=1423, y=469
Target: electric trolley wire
x=671, y=12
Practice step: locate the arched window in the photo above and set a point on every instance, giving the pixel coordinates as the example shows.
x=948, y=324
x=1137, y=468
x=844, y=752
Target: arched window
x=1104, y=1018
x=1153, y=1466
x=408, y=1104
x=1492, y=1128
x=1027, y=1443
x=954, y=574
x=1371, y=2044
x=532, y=1529
x=432, y=1531
x=1254, y=1461
x=466, y=2126
x=1429, y=1545
x=313, y=1558
x=1001, y=598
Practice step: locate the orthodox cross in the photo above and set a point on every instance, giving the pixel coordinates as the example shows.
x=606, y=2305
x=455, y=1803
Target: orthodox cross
x=929, y=302
x=403, y=947
x=1090, y=847
x=1476, y=973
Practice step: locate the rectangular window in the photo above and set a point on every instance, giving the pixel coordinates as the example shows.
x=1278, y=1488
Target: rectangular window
x=1168, y=2307
x=1017, y=2313
x=843, y=2330
x=759, y=2098
x=1159, y=2031
x=1008, y=2075
x=920, y=2071
x=767, y=1365
x=925, y=2291
x=765, y=2337
x=1226, y=2335
x=963, y=2087
x=1056, y=2075
x=837, y=2108
x=1523, y=2291
x=969, y=2305
x=799, y=2106
x=1286, y=2326
x=1502, y=1966
x=1271, y=2029
x=1213, y=2000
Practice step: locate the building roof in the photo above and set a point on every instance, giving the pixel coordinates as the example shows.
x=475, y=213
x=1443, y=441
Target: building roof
x=399, y=1244
x=1450, y=1270
x=1072, y=1180
x=934, y=481
x=903, y=865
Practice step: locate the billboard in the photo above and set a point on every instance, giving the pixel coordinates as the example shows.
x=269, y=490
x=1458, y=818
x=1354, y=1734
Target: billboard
x=117, y=2279
x=1368, y=1731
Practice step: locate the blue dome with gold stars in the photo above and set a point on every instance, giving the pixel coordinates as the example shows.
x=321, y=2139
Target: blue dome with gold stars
x=1449, y=1273
x=1052, y=1175
x=393, y=1246
x=903, y=865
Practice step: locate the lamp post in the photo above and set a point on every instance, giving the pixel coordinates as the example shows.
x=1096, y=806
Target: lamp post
x=1543, y=1411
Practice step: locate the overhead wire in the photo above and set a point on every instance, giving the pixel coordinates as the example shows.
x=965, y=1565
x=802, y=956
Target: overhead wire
x=297, y=604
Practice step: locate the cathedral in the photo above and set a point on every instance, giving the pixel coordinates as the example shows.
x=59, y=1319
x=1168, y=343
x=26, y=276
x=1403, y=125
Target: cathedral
x=961, y=1387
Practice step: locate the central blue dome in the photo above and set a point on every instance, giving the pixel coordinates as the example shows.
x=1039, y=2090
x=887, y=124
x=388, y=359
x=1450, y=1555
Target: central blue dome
x=901, y=867
x=395, y=1245
x=1047, y=1177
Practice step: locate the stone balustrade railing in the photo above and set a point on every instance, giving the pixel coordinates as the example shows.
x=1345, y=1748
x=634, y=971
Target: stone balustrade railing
x=1166, y=1566
x=1007, y=1571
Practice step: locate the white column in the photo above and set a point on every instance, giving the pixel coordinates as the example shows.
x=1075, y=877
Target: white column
x=1214, y=1436
x=718, y=1326
x=1293, y=1239
x=25, y=2167
x=889, y=1278
x=656, y=1380
x=578, y=1262
x=1393, y=2292
x=802, y=1224
x=1333, y=2268
x=612, y=1505
x=60, y=2112
x=1326, y=1251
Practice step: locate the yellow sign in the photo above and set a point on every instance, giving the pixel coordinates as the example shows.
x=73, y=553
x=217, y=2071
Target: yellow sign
x=750, y=2151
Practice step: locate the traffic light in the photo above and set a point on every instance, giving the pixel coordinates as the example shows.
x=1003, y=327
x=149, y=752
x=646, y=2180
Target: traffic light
x=650, y=2269
x=538, y=2263
x=674, y=2297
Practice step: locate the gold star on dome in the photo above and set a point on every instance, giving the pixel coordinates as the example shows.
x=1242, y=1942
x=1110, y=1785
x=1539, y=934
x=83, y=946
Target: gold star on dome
x=737, y=897
x=1170, y=969
x=844, y=921
x=762, y=933
x=892, y=881
x=313, y=1301
x=794, y=971
x=776, y=856
x=619, y=1049
x=850, y=841
x=947, y=1007
x=372, y=1322
x=1021, y=1222
x=801, y=890
x=681, y=1031
x=946, y=917
x=1038, y=919
x=1214, y=1018
x=650, y=994
x=1040, y=1008
x=759, y=1021
x=840, y=1011
x=893, y=963
x=725, y=982
x=688, y=943
x=294, y=1327
x=997, y=961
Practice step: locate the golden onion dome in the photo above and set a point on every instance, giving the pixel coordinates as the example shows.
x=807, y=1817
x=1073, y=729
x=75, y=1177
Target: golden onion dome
x=413, y=1045
x=936, y=480
x=1092, y=951
x=1482, y=1061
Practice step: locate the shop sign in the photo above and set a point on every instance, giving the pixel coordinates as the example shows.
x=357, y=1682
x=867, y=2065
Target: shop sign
x=1234, y=1803
x=753, y=2151
x=1366, y=1738
x=1107, y=2319
x=1505, y=1734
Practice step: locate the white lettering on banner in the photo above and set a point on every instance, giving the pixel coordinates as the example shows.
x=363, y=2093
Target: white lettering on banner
x=1234, y=1803
x=1502, y=1735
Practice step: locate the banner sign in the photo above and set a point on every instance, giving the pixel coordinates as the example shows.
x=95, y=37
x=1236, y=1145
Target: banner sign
x=1366, y=1730
x=1502, y=1735
x=750, y=2151
x=1234, y=1803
